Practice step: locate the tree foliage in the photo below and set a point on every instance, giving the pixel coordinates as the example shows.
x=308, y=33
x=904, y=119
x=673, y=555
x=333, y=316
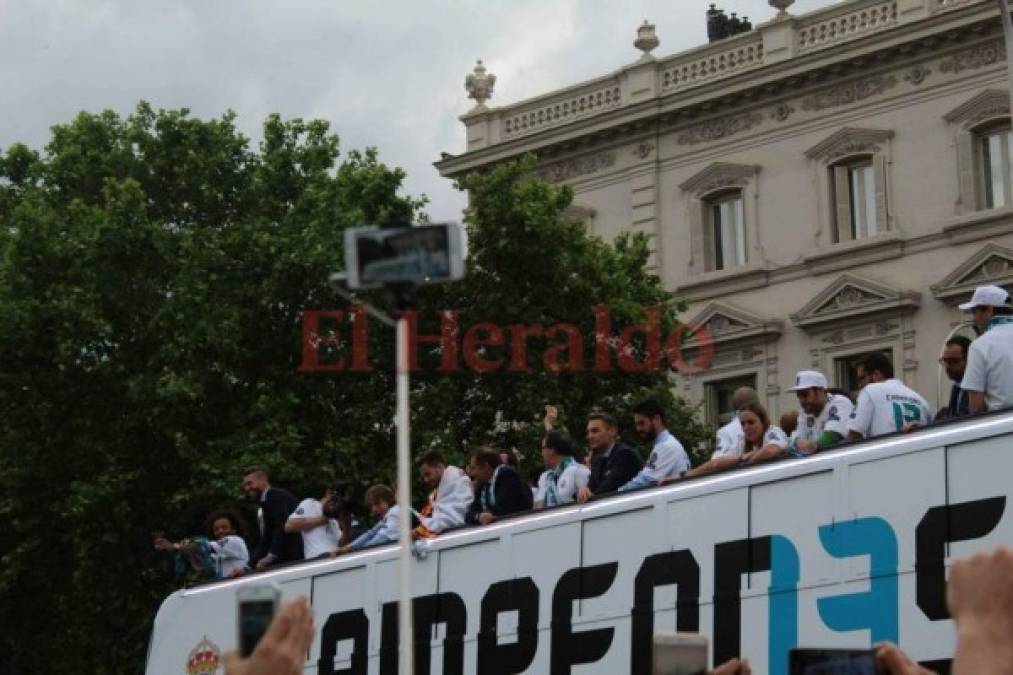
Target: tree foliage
x=153, y=269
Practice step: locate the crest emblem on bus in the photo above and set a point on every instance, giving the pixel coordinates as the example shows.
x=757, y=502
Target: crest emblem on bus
x=204, y=658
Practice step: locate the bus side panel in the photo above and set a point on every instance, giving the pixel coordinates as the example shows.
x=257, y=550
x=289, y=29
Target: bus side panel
x=544, y=555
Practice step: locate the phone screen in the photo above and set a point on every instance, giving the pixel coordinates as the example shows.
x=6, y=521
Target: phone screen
x=254, y=618
x=832, y=662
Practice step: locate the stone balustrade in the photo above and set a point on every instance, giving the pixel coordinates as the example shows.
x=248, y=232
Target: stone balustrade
x=820, y=31
x=771, y=42
x=731, y=56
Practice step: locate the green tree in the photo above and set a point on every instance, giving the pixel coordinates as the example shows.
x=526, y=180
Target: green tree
x=152, y=271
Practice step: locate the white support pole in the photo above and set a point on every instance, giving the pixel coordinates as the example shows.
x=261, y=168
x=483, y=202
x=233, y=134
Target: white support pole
x=405, y=626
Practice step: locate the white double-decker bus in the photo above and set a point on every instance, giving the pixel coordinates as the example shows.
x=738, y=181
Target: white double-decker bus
x=844, y=549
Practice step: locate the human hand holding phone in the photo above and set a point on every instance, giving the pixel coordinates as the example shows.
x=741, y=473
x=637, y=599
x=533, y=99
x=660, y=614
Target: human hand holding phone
x=283, y=647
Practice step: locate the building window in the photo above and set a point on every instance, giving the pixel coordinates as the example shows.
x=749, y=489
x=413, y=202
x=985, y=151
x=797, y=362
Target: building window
x=719, y=397
x=846, y=372
x=721, y=202
x=994, y=167
x=855, y=198
x=727, y=230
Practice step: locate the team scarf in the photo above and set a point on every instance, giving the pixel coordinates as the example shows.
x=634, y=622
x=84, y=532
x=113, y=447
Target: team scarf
x=489, y=493
x=552, y=481
x=998, y=321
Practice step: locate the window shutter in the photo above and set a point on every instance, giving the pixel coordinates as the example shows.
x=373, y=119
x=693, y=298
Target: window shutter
x=842, y=202
x=879, y=175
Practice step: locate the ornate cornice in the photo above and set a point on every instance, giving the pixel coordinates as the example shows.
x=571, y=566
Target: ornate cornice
x=848, y=93
x=849, y=141
x=851, y=297
x=975, y=57
x=578, y=167
x=719, y=175
x=986, y=106
x=993, y=264
x=727, y=325
x=719, y=128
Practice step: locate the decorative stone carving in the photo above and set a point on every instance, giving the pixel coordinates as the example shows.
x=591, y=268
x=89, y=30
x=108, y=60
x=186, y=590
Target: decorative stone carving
x=974, y=58
x=849, y=93
x=642, y=150
x=986, y=105
x=993, y=264
x=578, y=167
x=782, y=7
x=717, y=176
x=722, y=127
x=917, y=74
x=646, y=40
x=781, y=112
x=851, y=297
x=479, y=85
x=849, y=141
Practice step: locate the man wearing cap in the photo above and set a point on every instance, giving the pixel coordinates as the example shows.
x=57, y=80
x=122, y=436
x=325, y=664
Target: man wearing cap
x=822, y=420
x=988, y=378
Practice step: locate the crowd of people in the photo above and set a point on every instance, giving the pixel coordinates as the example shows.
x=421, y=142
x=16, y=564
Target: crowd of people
x=492, y=487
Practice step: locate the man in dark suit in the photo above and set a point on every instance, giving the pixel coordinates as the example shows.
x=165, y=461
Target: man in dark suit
x=613, y=463
x=499, y=489
x=276, y=506
x=954, y=360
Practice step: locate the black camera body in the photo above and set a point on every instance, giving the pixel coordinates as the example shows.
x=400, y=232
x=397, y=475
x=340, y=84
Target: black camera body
x=341, y=499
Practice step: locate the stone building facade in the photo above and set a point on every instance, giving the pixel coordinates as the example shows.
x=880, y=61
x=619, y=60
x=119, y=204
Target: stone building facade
x=822, y=186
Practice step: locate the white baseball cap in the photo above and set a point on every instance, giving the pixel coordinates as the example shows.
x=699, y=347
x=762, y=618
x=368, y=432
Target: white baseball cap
x=986, y=296
x=807, y=379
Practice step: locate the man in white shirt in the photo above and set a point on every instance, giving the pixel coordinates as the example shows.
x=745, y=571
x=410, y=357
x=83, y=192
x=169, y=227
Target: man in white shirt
x=668, y=458
x=885, y=404
x=449, y=500
x=320, y=534
x=564, y=475
x=822, y=419
x=729, y=438
x=988, y=378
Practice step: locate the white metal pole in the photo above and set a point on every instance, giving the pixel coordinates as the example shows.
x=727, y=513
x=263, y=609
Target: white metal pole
x=405, y=626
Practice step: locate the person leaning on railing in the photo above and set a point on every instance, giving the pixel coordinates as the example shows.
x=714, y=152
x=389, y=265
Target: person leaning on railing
x=988, y=379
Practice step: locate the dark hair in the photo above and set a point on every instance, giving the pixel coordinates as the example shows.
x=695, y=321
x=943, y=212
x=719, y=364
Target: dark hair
x=649, y=408
x=757, y=409
x=511, y=455
x=379, y=493
x=878, y=361
x=960, y=341
x=234, y=520
x=1002, y=310
x=604, y=417
x=486, y=455
x=256, y=470
x=432, y=458
x=559, y=443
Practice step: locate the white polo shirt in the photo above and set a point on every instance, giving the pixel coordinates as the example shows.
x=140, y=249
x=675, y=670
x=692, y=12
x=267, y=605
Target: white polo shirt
x=885, y=407
x=320, y=539
x=729, y=439
x=990, y=365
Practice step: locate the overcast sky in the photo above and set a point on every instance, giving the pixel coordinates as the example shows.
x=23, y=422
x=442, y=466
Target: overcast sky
x=386, y=73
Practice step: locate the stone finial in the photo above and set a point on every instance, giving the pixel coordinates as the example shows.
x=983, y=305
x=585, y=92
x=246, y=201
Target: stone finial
x=782, y=7
x=646, y=40
x=479, y=85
